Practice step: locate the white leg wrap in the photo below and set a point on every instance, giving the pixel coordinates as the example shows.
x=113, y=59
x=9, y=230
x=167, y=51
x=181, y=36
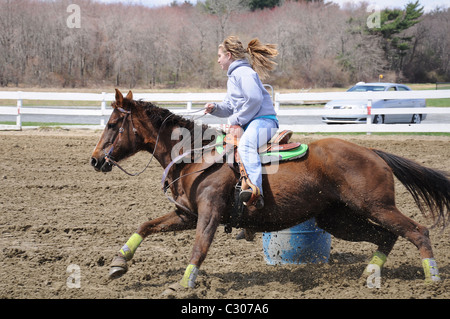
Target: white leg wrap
x=430, y=269
x=190, y=275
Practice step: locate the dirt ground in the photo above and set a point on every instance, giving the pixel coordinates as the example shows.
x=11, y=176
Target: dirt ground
x=57, y=213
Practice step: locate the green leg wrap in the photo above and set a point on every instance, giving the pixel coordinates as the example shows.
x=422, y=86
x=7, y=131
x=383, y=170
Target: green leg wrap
x=190, y=275
x=130, y=247
x=378, y=258
x=430, y=269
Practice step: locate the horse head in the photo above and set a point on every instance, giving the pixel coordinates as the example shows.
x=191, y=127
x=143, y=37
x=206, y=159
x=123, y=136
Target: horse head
x=120, y=138
x=138, y=125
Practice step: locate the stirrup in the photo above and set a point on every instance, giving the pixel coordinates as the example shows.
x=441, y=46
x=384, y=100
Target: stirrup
x=248, y=196
x=252, y=198
x=245, y=195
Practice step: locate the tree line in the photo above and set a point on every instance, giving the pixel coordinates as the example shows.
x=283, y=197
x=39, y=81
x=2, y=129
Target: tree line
x=51, y=44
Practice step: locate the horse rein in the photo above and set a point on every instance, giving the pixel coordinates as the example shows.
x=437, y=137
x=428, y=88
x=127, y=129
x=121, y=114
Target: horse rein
x=121, y=130
x=108, y=158
x=165, y=186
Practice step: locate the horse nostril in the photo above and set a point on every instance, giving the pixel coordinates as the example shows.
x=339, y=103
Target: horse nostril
x=93, y=161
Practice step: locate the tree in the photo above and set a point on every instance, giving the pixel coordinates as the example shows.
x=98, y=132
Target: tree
x=360, y=54
x=429, y=60
x=119, y=44
x=392, y=27
x=223, y=9
x=262, y=4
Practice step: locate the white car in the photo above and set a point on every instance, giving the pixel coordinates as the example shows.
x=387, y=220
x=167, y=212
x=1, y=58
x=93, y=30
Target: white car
x=385, y=103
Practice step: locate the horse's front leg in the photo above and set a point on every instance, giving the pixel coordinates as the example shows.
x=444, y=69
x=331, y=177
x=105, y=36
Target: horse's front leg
x=171, y=222
x=208, y=221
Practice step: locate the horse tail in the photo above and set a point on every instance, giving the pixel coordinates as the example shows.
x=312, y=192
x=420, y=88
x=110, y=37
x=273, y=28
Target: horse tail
x=426, y=185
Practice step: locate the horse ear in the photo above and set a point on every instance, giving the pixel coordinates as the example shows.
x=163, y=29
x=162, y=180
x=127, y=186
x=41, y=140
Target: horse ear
x=129, y=96
x=119, y=97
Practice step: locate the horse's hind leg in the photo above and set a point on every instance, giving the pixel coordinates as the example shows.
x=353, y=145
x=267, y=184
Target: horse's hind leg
x=393, y=220
x=170, y=222
x=353, y=227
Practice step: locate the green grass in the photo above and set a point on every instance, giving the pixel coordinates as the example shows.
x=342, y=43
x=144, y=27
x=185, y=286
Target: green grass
x=438, y=102
x=379, y=133
x=55, y=124
x=31, y=103
x=40, y=124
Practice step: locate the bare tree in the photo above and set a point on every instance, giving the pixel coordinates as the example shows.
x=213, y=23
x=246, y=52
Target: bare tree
x=137, y=46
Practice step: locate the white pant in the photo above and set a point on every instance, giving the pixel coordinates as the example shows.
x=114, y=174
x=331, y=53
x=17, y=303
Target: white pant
x=257, y=133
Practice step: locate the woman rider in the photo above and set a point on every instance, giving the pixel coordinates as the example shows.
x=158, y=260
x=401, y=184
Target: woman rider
x=248, y=105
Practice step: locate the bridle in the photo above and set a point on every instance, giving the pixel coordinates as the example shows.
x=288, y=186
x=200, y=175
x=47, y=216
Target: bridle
x=121, y=130
x=109, y=159
x=165, y=186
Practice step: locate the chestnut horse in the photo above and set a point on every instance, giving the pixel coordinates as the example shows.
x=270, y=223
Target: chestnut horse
x=349, y=189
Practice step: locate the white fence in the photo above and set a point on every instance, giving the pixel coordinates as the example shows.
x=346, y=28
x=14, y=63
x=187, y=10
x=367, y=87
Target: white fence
x=280, y=100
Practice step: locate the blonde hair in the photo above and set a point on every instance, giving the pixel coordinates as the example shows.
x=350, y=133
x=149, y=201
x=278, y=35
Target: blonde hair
x=260, y=55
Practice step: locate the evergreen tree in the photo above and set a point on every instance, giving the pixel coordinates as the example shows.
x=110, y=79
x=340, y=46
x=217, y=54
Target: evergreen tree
x=396, y=44
x=262, y=4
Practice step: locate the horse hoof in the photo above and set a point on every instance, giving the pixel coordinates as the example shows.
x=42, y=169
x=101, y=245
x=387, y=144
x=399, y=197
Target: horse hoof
x=435, y=280
x=246, y=234
x=241, y=235
x=116, y=272
x=118, y=267
x=172, y=290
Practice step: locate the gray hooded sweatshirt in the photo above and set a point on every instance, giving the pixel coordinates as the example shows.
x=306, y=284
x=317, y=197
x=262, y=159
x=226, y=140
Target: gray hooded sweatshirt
x=246, y=97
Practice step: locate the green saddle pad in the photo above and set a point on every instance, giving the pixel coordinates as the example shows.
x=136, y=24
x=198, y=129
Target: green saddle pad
x=269, y=157
x=284, y=155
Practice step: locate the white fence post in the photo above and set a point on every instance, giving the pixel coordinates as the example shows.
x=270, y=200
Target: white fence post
x=369, y=114
x=277, y=102
x=19, y=106
x=103, y=108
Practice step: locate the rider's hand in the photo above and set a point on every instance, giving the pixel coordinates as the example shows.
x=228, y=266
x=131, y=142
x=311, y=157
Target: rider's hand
x=209, y=107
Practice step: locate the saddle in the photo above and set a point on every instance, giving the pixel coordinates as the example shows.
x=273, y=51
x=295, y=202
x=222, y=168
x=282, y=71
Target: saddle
x=277, y=143
x=277, y=149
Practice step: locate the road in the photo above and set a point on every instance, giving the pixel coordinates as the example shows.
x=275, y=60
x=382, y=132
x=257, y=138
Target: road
x=287, y=120
x=314, y=120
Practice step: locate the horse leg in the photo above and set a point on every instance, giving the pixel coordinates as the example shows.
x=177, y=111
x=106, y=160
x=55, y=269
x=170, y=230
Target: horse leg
x=393, y=220
x=207, y=224
x=353, y=227
x=170, y=222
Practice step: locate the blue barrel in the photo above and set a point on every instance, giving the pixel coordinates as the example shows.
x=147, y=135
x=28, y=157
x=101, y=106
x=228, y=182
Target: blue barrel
x=301, y=244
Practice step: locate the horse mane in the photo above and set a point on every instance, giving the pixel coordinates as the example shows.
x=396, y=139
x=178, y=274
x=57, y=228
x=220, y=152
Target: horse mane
x=159, y=116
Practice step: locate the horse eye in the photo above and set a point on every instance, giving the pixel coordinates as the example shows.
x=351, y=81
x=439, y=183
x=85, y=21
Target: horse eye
x=112, y=125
